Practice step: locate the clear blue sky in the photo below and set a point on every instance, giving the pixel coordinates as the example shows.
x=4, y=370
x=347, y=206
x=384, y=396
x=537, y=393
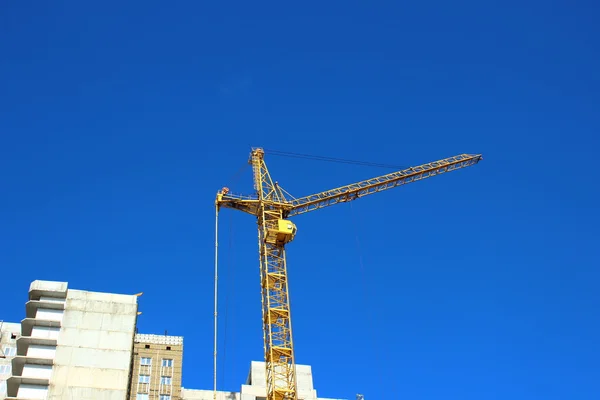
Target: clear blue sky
x=119, y=121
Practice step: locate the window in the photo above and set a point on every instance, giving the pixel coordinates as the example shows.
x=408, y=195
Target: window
x=167, y=362
x=9, y=351
x=147, y=346
x=13, y=335
x=144, y=379
x=142, y=396
x=5, y=369
x=165, y=397
x=165, y=380
x=168, y=347
x=146, y=361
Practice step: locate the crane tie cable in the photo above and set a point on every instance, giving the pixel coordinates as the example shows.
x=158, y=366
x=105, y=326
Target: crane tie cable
x=332, y=159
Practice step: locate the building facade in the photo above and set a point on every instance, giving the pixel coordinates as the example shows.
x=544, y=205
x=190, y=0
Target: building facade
x=156, y=367
x=74, y=344
x=9, y=333
x=82, y=345
x=255, y=387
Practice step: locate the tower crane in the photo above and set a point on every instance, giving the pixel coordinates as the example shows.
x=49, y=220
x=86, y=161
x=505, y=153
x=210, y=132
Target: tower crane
x=273, y=208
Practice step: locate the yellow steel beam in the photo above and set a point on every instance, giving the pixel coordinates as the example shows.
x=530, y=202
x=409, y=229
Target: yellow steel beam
x=277, y=326
x=360, y=189
x=270, y=205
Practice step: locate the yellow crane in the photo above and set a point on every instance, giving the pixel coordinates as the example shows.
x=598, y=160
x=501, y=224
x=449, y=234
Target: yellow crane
x=273, y=207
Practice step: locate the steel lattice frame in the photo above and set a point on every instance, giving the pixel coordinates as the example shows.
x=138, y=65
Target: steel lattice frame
x=277, y=327
x=269, y=206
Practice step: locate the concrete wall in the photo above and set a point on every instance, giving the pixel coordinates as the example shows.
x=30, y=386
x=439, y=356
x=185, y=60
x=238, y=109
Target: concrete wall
x=52, y=299
x=37, y=371
x=193, y=394
x=44, y=287
x=44, y=332
x=255, y=387
x=32, y=392
x=258, y=384
x=49, y=315
x=8, y=330
x=94, y=347
x=41, y=351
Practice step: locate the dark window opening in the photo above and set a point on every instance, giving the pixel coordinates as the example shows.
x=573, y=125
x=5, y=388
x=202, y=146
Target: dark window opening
x=168, y=347
x=13, y=335
x=147, y=346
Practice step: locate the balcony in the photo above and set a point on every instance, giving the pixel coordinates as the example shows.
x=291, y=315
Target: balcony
x=32, y=306
x=39, y=289
x=26, y=392
x=24, y=343
x=28, y=324
x=30, y=376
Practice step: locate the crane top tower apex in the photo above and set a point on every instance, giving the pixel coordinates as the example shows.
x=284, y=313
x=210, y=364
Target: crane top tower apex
x=256, y=152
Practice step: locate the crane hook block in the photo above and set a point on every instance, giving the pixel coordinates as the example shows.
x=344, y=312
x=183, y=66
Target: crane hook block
x=283, y=233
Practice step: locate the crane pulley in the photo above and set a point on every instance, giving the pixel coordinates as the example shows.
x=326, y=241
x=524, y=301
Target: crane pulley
x=273, y=207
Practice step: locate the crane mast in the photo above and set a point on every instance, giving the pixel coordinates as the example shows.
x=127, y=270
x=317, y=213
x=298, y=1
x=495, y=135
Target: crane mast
x=272, y=206
x=277, y=327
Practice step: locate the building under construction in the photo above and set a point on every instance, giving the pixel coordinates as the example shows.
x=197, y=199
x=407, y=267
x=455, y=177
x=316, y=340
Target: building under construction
x=9, y=333
x=75, y=344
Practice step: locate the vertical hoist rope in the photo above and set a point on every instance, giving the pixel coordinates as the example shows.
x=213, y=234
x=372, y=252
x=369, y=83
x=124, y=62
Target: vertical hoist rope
x=229, y=276
x=366, y=303
x=216, y=287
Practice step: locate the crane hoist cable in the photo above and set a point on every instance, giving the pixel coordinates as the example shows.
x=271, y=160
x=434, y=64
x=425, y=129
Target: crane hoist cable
x=273, y=207
x=230, y=277
x=366, y=295
x=216, y=303
x=233, y=179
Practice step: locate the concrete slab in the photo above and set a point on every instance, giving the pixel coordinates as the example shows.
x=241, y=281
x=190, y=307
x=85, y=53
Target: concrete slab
x=47, y=288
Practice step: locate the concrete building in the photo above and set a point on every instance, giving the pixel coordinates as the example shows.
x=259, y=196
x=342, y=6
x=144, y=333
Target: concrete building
x=9, y=333
x=156, y=367
x=255, y=387
x=81, y=345
x=74, y=345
